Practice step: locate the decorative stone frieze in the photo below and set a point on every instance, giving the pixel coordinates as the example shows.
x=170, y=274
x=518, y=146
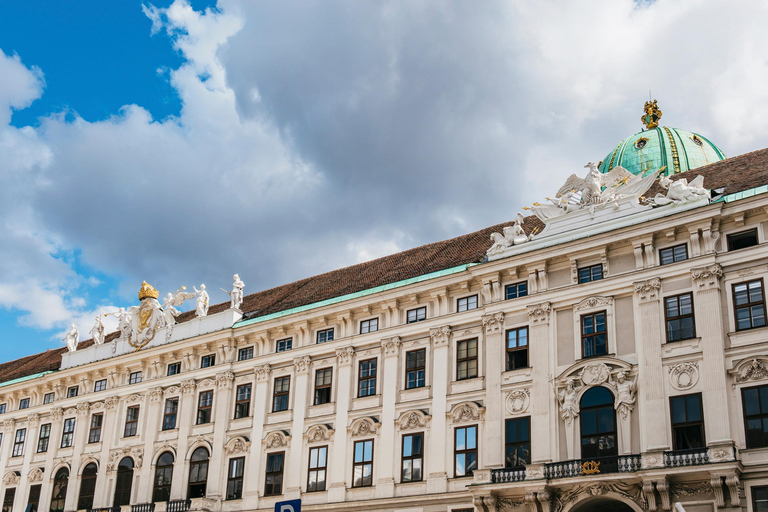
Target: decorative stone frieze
x=494, y=323
x=136, y=397
x=440, y=336
x=172, y=390
x=539, y=313
x=648, y=290
x=237, y=445
x=206, y=383
x=517, y=401
x=83, y=408
x=364, y=427
x=413, y=419
x=301, y=364
x=391, y=345
x=466, y=411
x=318, y=434
x=632, y=492
x=262, y=372
x=276, y=439
x=594, y=302
x=344, y=355
x=707, y=278
x=594, y=374
x=685, y=375
x=115, y=456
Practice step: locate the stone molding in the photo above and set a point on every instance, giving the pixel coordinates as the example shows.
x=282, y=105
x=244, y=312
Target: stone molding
x=594, y=302
x=237, y=444
x=538, y=314
x=648, y=290
x=391, y=345
x=262, y=372
x=684, y=375
x=277, y=439
x=363, y=427
x=465, y=412
x=301, y=364
x=707, y=278
x=517, y=401
x=345, y=355
x=494, y=323
x=440, y=336
x=755, y=368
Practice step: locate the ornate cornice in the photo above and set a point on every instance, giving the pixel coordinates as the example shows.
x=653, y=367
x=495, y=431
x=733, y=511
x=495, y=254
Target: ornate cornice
x=594, y=302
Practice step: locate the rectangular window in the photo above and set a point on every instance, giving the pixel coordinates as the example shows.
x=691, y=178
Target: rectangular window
x=169, y=414
x=94, y=434
x=280, y=394
x=243, y=401
x=413, y=457
x=131, y=421
x=362, y=468
x=371, y=325
x=100, y=385
x=755, y=403
x=274, y=481
x=517, y=444
x=673, y=254
x=325, y=335
x=687, y=422
x=323, y=386
x=235, y=478
x=68, y=432
x=72, y=392
x=749, y=304
x=742, y=240
x=415, y=364
x=10, y=494
x=466, y=359
x=466, y=303
x=44, y=438
x=515, y=291
x=594, y=336
x=465, y=451
x=678, y=311
x=204, y=406
x=134, y=378
x=18, y=443
x=174, y=369
x=48, y=398
x=760, y=499
x=416, y=315
x=207, y=361
x=366, y=379
x=34, y=498
x=245, y=353
x=591, y=273
x=283, y=345
x=24, y=403
x=2, y=408
x=318, y=466
x=517, y=348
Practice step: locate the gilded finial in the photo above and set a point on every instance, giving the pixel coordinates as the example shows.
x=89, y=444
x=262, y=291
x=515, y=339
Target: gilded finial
x=147, y=291
x=651, y=115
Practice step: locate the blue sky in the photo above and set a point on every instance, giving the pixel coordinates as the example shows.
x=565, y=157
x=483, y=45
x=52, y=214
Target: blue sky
x=180, y=143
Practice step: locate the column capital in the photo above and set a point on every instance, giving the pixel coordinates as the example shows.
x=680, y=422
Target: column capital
x=391, y=345
x=648, y=290
x=110, y=402
x=301, y=364
x=33, y=420
x=57, y=413
x=262, y=372
x=9, y=425
x=224, y=379
x=539, y=313
x=344, y=355
x=155, y=394
x=188, y=386
x=493, y=323
x=83, y=408
x=707, y=278
x=440, y=336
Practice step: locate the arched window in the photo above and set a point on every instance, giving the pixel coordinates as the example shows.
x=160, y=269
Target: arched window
x=59, y=492
x=598, y=424
x=163, y=475
x=87, y=487
x=124, y=482
x=198, y=473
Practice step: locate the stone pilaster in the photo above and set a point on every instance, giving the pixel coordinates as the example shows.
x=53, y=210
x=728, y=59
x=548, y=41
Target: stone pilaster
x=149, y=425
x=261, y=402
x=438, y=470
x=30, y=446
x=301, y=391
x=185, y=418
x=222, y=414
x=543, y=414
x=337, y=458
x=493, y=447
x=101, y=497
x=56, y=418
x=79, y=439
x=388, y=384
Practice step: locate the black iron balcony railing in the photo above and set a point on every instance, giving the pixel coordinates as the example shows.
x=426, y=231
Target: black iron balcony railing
x=104, y=509
x=593, y=466
x=178, y=506
x=143, y=507
x=502, y=476
x=691, y=457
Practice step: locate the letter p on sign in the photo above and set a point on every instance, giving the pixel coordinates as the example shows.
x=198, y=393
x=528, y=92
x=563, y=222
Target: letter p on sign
x=288, y=506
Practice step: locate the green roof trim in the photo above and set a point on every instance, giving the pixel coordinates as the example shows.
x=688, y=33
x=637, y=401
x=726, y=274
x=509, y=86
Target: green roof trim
x=22, y=379
x=762, y=189
x=362, y=293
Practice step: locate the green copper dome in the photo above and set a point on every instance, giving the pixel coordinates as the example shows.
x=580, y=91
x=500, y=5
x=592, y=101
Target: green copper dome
x=661, y=146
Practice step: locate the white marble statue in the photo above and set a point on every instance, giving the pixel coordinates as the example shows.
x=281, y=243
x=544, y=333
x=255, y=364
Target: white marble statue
x=513, y=235
x=170, y=312
x=201, y=307
x=97, y=332
x=236, y=295
x=625, y=393
x=123, y=323
x=680, y=191
x=569, y=401
x=72, y=338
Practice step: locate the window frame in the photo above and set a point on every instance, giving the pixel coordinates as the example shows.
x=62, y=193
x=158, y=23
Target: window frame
x=94, y=431
x=509, y=352
x=135, y=378
x=3, y=408
x=465, y=451
x=748, y=305
x=729, y=236
x=363, y=463
x=415, y=312
x=367, y=378
x=46, y=400
x=370, y=325
x=87, y=488
x=324, y=334
x=245, y=353
x=173, y=414
x=233, y=480
x=287, y=344
x=243, y=405
x=679, y=317
x=176, y=369
x=100, y=385
x=204, y=410
x=207, y=361
x=753, y=498
x=467, y=300
x=516, y=444
x=317, y=469
x=591, y=269
x=412, y=457
x=416, y=369
x=467, y=359
x=273, y=474
x=163, y=489
x=67, y=436
x=9, y=498
x=762, y=416
x=73, y=391
x=285, y=391
x=131, y=428
x=325, y=387
x=18, y=444
x=595, y=333
x=516, y=287
x=46, y=438
x=675, y=258
x=674, y=425
x=24, y=403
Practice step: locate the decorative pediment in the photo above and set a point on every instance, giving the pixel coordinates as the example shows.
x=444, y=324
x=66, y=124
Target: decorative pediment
x=172, y=390
x=364, y=427
x=134, y=398
x=319, y=433
x=413, y=419
x=206, y=383
x=466, y=411
x=12, y=478
x=88, y=460
x=115, y=456
x=755, y=368
x=237, y=444
x=277, y=439
x=35, y=475
x=594, y=371
x=165, y=446
x=594, y=302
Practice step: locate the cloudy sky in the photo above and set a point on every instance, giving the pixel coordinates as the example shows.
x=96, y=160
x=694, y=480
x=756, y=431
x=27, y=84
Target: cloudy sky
x=183, y=142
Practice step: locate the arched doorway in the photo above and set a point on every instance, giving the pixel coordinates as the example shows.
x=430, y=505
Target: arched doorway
x=59, y=491
x=124, y=482
x=602, y=504
x=87, y=487
x=163, y=476
x=198, y=473
x=598, y=424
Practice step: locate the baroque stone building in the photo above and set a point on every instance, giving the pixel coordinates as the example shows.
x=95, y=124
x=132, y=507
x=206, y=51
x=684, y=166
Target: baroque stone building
x=609, y=352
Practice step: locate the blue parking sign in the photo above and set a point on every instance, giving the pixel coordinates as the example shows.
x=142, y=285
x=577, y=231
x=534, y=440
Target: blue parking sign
x=288, y=506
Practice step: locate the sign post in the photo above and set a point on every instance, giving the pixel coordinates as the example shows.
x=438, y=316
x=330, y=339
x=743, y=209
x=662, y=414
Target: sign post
x=288, y=506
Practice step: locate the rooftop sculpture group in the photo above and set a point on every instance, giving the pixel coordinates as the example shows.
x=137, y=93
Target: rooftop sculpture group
x=138, y=324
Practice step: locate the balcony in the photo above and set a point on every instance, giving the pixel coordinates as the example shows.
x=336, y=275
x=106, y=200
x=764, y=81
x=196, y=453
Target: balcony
x=593, y=466
x=691, y=457
x=143, y=507
x=178, y=506
x=506, y=475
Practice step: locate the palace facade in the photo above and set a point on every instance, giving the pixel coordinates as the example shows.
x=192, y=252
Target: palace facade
x=603, y=355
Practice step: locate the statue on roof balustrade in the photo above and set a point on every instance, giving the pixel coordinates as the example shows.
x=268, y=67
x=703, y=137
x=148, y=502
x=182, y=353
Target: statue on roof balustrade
x=201, y=306
x=236, y=295
x=97, y=332
x=72, y=338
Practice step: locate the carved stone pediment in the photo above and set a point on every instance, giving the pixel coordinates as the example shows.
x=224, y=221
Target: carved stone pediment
x=754, y=368
x=35, y=475
x=594, y=302
x=237, y=444
x=364, y=427
x=319, y=433
x=466, y=412
x=12, y=478
x=277, y=439
x=415, y=418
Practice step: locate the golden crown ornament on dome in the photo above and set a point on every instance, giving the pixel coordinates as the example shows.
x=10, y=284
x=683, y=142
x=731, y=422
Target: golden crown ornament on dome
x=651, y=115
x=147, y=291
